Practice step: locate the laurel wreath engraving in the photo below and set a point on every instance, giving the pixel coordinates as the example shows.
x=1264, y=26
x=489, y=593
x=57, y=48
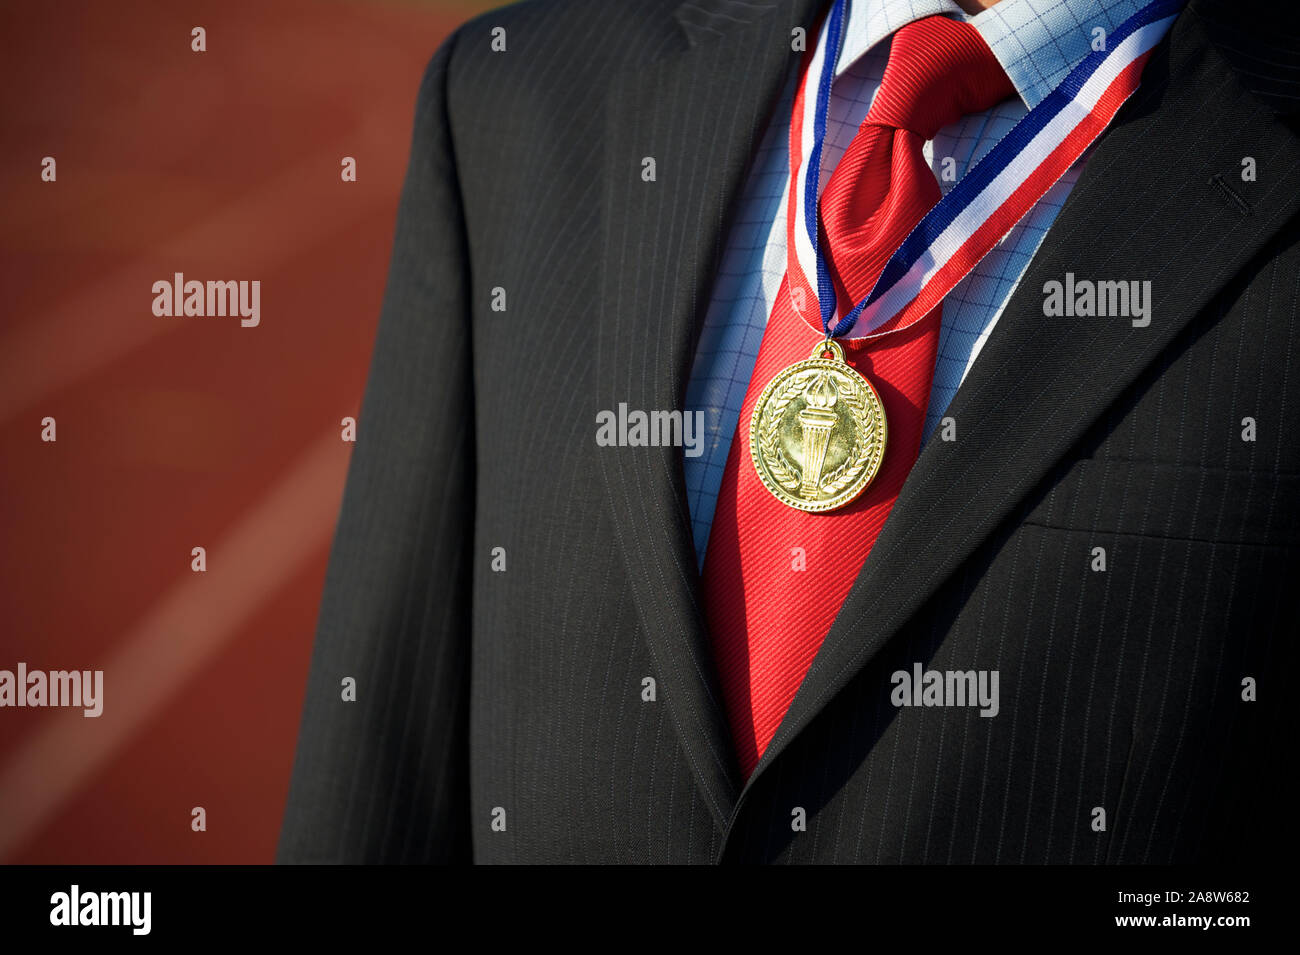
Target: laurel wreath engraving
x=784, y=471
x=784, y=474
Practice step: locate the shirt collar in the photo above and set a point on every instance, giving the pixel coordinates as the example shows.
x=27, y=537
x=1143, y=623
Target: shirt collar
x=1037, y=42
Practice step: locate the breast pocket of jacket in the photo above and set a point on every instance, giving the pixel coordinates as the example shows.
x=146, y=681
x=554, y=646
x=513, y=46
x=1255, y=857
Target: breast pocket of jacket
x=1216, y=506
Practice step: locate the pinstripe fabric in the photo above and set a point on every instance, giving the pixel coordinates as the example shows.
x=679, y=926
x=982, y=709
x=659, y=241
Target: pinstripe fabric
x=525, y=691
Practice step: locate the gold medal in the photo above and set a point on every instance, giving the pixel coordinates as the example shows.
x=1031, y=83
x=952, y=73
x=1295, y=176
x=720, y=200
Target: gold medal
x=817, y=436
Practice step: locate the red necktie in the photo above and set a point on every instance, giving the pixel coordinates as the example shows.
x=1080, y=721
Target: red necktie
x=767, y=616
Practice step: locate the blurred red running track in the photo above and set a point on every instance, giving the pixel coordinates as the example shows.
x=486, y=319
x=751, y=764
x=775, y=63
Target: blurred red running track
x=182, y=432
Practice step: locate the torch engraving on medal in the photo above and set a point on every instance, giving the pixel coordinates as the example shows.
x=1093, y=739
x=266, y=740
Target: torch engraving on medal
x=816, y=419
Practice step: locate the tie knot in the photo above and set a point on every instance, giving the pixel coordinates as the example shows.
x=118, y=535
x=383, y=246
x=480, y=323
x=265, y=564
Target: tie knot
x=939, y=70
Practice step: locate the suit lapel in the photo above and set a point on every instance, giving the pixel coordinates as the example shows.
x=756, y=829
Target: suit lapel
x=699, y=113
x=1153, y=203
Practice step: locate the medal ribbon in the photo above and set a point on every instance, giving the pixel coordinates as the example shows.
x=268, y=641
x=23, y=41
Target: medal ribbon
x=972, y=218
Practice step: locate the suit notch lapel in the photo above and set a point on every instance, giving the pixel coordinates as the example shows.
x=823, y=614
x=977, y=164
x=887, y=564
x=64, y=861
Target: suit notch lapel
x=698, y=114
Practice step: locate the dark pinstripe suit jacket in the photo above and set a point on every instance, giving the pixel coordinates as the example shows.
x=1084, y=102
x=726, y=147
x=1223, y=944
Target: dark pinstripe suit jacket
x=517, y=695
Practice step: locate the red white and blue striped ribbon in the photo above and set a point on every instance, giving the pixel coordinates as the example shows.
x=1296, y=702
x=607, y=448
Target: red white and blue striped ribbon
x=984, y=206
